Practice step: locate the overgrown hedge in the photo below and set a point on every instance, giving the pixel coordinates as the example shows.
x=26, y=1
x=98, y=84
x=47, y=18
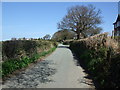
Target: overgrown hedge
x=101, y=57
x=20, y=53
x=117, y=38
x=20, y=48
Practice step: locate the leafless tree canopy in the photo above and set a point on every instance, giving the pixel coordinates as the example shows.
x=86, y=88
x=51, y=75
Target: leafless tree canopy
x=83, y=20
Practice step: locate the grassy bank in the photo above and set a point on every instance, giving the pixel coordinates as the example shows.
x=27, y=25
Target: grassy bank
x=10, y=66
x=101, y=58
x=19, y=54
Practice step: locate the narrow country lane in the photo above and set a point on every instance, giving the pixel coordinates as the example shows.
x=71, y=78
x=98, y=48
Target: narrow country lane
x=59, y=70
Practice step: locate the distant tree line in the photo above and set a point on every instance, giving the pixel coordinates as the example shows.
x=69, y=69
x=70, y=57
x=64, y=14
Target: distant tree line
x=46, y=37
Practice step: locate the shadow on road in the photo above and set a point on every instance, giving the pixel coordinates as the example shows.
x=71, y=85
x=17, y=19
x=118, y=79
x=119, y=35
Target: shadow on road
x=88, y=78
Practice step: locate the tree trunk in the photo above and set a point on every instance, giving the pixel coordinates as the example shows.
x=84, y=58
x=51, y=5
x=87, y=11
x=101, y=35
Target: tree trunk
x=78, y=35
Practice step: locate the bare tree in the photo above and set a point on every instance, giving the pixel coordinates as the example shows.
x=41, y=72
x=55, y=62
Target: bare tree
x=47, y=37
x=82, y=20
x=13, y=39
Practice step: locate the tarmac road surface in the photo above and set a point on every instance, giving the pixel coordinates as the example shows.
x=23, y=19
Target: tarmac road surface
x=58, y=70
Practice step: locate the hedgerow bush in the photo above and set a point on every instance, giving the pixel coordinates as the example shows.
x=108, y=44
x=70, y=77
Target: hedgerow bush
x=101, y=56
x=20, y=48
x=117, y=38
x=10, y=66
x=20, y=53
